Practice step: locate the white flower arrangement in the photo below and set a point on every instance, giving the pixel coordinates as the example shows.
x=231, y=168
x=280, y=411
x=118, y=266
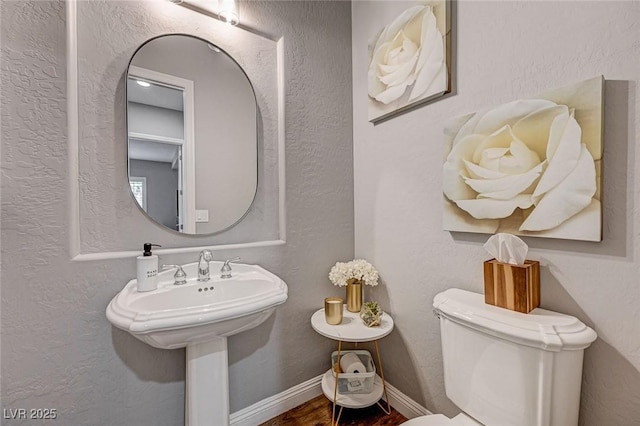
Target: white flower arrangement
x=356, y=270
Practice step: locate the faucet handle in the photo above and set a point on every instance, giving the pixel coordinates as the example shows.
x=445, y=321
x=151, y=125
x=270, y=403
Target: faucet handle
x=180, y=276
x=225, y=271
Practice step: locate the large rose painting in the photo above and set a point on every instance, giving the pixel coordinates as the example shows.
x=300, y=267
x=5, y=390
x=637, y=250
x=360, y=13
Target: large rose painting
x=529, y=167
x=408, y=57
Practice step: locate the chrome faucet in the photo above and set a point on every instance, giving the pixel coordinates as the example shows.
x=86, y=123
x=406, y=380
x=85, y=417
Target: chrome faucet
x=225, y=271
x=203, y=265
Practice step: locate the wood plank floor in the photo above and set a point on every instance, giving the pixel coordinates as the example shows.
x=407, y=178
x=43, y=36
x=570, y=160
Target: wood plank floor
x=317, y=412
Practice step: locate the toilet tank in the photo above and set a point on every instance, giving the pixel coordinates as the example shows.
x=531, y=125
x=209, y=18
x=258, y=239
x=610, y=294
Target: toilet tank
x=505, y=368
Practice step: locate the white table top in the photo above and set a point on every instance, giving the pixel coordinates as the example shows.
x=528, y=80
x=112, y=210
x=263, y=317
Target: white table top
x=352, y=329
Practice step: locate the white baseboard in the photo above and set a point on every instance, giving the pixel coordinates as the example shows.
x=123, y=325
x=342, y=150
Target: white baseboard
x=278, y=404
x=275, y=405
x=405, y=405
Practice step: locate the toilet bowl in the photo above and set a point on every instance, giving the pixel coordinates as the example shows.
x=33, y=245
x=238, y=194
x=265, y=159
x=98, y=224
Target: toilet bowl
x=507, y=368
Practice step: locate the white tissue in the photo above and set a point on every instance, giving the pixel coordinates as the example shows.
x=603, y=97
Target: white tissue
x=507, y=248
x=350, y=363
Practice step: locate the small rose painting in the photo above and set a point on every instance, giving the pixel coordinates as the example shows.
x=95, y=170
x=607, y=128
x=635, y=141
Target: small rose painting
x=529, y=167
x=408, y=56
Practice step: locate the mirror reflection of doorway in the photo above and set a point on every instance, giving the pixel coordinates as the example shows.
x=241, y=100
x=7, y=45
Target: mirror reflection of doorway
x=159, y=147
x=155, y=178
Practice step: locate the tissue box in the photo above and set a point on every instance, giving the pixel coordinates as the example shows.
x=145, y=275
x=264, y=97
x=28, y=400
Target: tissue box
x=511, y=286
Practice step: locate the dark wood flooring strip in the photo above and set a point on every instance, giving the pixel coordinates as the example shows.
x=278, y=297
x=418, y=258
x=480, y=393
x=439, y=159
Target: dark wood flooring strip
x=317, y=412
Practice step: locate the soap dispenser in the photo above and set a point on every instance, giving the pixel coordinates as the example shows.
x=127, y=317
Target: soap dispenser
x=147, y=266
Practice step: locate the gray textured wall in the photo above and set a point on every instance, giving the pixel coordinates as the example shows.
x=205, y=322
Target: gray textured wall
x=505, y=51
x=58, y=349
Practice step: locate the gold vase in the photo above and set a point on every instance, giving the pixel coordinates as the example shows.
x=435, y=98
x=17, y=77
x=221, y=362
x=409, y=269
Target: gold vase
x=354, y=295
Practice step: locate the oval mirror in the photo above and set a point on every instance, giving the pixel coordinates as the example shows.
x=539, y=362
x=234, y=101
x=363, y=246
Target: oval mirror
x=192, y=134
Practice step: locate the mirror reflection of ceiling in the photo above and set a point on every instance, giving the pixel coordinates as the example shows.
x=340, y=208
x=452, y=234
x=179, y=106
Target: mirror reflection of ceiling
x=154, y=95
x=159, y=96
x=152, y=151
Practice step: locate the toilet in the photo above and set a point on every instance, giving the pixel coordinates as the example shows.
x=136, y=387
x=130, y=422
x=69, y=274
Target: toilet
x=505, y=368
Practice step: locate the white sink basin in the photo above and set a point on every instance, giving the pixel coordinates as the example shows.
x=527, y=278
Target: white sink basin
x=173, y=316
x=200, y=316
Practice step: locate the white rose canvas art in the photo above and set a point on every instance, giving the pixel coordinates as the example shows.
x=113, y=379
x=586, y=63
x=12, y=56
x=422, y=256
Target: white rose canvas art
x=529, y=167
x=409, y=55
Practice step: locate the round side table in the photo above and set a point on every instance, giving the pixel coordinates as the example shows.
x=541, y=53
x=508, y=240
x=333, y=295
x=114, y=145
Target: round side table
x=353, y=330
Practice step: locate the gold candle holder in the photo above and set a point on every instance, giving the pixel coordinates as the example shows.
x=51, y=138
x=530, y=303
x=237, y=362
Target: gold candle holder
x=333, y=310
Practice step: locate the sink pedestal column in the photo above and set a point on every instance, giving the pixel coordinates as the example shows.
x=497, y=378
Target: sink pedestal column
x=207, y=384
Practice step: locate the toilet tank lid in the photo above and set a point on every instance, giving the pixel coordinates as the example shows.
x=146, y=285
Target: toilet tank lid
x=540, y=328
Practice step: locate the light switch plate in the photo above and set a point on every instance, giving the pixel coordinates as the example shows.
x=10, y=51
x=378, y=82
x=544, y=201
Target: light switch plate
x=202, y=216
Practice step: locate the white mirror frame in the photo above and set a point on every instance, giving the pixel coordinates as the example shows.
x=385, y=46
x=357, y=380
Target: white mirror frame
x=73, y=158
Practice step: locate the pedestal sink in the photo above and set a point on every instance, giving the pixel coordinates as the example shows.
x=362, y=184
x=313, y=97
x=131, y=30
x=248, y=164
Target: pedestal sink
x=200, y=316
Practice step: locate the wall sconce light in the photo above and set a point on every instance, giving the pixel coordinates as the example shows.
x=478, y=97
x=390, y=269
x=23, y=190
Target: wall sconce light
x=228, y=12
